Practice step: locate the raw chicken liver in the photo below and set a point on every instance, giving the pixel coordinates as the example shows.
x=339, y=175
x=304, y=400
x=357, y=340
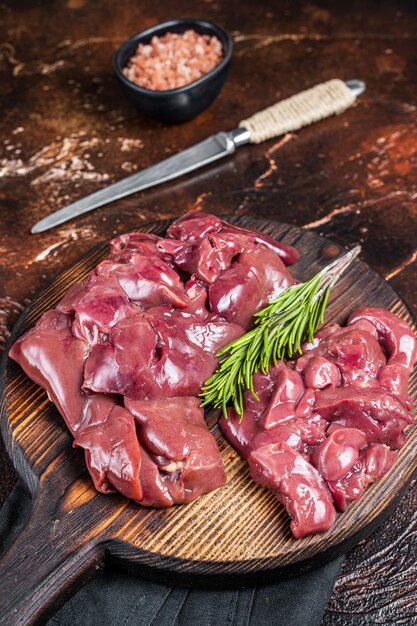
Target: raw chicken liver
x=160, y=353
x=125, y=353
x=329, y=423
x=178, y=443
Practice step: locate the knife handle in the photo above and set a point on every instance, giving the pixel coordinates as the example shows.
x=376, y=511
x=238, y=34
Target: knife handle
x=329, y=98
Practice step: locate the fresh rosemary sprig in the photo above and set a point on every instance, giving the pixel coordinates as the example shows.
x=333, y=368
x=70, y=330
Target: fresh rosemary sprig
x=279, y=330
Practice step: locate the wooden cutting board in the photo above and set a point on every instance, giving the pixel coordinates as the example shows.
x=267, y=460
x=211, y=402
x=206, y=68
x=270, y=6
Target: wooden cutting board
x=236, y=535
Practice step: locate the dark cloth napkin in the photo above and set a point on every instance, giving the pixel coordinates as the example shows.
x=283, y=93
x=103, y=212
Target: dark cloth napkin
x=115, y=598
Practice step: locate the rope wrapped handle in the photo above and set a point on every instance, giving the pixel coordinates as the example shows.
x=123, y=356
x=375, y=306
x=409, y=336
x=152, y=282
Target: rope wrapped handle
x=329, y=98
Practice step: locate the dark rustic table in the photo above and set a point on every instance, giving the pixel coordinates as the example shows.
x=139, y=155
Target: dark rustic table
x=66, y=131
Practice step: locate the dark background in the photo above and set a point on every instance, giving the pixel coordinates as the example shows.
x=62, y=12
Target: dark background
x=66, y=130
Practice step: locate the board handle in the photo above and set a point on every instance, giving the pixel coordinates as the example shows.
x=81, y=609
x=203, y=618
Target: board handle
x=44, y=566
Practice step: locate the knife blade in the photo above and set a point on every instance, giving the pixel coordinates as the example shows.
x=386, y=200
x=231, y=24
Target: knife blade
x=309, y=106
x=215, y=147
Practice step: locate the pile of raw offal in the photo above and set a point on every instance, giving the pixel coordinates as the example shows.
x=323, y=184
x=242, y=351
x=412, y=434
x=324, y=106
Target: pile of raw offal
x=329, y=423
x=125, y=353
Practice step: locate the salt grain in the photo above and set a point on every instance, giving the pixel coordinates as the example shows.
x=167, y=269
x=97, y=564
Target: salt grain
x=173, y=60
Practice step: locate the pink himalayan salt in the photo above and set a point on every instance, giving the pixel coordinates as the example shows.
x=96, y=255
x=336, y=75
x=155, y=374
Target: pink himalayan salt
x=173, y=60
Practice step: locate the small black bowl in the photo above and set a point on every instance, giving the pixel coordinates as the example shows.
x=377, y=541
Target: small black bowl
x=184, y=103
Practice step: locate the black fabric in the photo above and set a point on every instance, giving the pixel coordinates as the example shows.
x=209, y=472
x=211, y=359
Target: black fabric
x=115, y=598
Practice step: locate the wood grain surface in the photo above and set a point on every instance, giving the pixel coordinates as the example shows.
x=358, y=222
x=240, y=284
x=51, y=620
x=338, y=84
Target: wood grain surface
x=66, y=130
x=238, y=534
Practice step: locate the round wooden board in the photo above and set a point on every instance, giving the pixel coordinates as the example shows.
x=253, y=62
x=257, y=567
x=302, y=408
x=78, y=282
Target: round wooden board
x=236, y=535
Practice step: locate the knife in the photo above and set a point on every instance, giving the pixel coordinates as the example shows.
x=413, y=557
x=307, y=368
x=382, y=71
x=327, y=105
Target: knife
x=329, y=98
